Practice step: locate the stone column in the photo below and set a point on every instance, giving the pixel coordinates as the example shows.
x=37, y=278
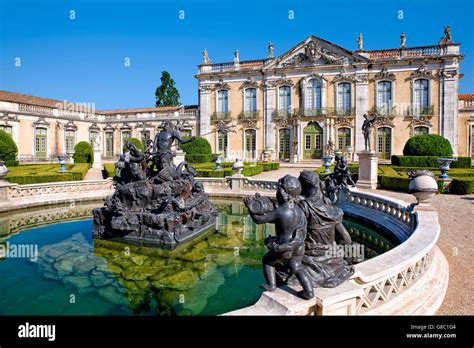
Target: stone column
x=205, y=111
x=449, y=108
x=368, y=170
x=361, y=107
x=269, y=108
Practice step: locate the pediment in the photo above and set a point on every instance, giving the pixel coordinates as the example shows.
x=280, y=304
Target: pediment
x=312, y=52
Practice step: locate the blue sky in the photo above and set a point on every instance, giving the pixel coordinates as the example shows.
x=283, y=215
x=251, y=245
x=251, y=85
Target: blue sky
x=82, y=60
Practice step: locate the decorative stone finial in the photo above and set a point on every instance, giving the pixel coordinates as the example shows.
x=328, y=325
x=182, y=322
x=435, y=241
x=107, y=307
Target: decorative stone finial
x=403, y=41
x=271, y=48
x=236, y=57
x=360, y=42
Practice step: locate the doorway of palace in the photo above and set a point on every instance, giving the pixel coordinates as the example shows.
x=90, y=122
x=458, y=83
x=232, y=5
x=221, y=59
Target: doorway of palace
x=384, y=142
x=312, y=141
x=109, y=144
x=284, y=144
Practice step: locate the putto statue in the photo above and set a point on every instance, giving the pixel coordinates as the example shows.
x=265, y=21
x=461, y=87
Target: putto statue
x=307, y=227
x=155, y=202
x=341, y=178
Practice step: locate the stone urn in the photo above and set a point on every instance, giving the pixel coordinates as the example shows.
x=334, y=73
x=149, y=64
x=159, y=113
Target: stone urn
x=238, y=166
x=3, y=171
x=62, y=163
x=444, y=164
x=218, y=163
x=327, y=163
x=422, y=185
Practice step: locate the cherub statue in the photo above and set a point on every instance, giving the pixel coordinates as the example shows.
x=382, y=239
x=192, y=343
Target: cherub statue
x=288, y=247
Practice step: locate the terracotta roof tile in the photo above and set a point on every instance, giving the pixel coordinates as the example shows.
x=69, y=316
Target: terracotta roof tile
x=28, y=99
x=139, y=110
x=465, y=96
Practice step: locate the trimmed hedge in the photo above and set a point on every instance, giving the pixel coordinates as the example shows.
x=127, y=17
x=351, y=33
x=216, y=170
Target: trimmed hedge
x=43, y=173
x=83, y=153
x=428, y=161
x=428, y=145
x=212, y=173
x=198, y=151
x=137, y=143
x=268, y=166
x=8, y=149
x=462, y=186
x=253, y=170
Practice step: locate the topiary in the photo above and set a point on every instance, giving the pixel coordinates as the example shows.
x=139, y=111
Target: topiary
x=428, y=145
x=136, y=142
x=198, y=151
x=83, y=153
x=8, y=149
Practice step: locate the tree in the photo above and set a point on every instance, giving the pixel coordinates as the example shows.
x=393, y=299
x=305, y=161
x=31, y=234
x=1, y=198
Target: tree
x=8, y=149
x=83, y=153
x=166, y=94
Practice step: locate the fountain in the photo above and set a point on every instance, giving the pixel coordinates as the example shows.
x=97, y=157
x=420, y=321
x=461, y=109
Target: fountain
x=155, y=201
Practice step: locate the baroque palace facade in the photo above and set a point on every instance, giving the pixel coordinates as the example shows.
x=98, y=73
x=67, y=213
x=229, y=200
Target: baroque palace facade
x=44, y=128
x=291, y=106
x=282, y=108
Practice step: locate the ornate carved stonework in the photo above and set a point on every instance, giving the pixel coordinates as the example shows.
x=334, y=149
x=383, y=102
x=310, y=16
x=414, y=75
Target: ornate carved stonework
x=221, y=85
x=249, y=83
x=384, y=75
x=344, y=76
x=205, y=88
x=313, y=54
x=384, y=121
x=282, y=81
x=70, y=125
x=447, y=73
x=249, y=123
x=8, y=117
x=125, y=126
x=421, y=72
x=343, y=121
x=109, y=127
x=94, y=127
x=421, y=121
x=41, y=121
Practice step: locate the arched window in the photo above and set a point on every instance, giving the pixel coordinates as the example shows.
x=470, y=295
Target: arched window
x=343, y=138
x=421, y=130
x=250, y=100
x=222, y=101
x=313, y=95
x=250, y=143
x=384, y=96
x=41, y=137
x=420, y=97
x=69, y=140
x=284, y=98
x=344, y=101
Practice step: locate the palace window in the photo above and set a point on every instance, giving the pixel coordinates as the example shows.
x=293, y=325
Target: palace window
x=41, y=135
x=250, y=143
x=69, y=140
x=222, y=101
x=384, y=96
x=284, y=98
x=344, y=102
x=421, y=130
x=126, y=135
x=420, y=96
x=93, y=136
x=343, y=138
x=313, y=96
x=109, y=144
x=307, y=142
x=7, y=129
x=250, y=100
x=222, y=143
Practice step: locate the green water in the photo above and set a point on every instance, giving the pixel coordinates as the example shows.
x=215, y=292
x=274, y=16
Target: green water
x=74, y=274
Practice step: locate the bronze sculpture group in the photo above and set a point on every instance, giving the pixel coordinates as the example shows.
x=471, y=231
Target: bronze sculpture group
x=307, y=227
x=155, y=201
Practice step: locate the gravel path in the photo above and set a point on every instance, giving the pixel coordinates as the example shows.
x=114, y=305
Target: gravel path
x=456, y=241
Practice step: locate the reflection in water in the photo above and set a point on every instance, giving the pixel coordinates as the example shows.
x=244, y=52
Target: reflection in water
x=218, y=272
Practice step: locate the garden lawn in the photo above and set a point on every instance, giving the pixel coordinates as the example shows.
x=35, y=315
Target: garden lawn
x=42, y=173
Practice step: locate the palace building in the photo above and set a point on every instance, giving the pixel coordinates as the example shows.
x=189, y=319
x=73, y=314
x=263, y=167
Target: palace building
x=289, y=107
x=286, y=107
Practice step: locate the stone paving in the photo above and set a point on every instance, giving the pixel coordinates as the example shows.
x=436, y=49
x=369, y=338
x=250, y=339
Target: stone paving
x=456, y=241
